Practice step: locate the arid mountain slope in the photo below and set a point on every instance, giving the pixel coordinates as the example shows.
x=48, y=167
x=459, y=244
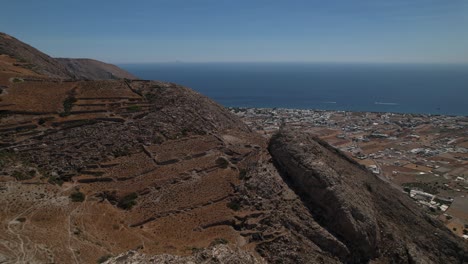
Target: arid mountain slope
x=92, y=168
x=30, y=58
x=89, y=69
x=373, y=220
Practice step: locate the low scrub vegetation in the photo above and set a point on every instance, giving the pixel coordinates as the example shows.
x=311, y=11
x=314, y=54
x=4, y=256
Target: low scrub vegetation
x=77, y=197
x=67, y=105
x=22, y=175
x=133, y=108
x=234, y=205
x=222, y=162
x=128, y=201
x=218, y=241
x=104, y=258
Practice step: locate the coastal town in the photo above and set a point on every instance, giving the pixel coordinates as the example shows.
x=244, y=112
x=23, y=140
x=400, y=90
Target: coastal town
x=426, y=156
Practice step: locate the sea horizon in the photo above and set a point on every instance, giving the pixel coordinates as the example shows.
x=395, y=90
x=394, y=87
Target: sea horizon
x=417, y=88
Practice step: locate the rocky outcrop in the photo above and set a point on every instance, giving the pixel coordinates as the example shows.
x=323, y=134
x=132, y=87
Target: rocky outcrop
x=216, y=254
x=373, y=219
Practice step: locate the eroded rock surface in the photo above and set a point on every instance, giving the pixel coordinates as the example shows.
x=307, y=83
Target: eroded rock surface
x=221, y=254
x=373, y=220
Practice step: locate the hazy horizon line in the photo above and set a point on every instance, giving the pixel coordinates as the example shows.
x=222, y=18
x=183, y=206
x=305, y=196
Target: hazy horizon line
x=298, y=62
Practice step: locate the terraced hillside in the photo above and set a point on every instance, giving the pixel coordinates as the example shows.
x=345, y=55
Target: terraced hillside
x=155, y=165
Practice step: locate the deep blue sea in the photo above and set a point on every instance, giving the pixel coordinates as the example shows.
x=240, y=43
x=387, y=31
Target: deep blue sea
x=403, y=88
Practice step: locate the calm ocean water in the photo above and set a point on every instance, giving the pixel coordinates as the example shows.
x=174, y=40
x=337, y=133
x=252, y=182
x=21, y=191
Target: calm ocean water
x=430, y=89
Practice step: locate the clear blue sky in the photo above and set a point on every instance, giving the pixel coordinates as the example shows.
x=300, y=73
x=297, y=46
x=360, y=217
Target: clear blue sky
x=121, y=31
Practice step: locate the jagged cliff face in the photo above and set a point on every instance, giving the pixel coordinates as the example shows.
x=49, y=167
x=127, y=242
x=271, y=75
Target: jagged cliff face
x=149, y=171
x=373, y=220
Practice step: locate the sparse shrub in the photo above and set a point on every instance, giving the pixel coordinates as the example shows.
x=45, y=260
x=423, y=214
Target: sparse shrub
x=128, y=201
x=150, y=97
x=222, y=162
x=120, y=152
x=234, y=205
x=21, y=176
x=67, y=105
x=242, y=174
x=5, y=157
x=55, y=180
x=77, y=197
x=41, y=121
x=17, y=80
x=195, y=249
x=133, y=108
x=104, y=258
x=158, y=139
x=218, y=241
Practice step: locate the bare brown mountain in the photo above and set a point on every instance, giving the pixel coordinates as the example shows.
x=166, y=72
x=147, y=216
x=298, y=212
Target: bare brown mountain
x=40, y=63
x=89, y=69
x=31, y=58
x=133, y=171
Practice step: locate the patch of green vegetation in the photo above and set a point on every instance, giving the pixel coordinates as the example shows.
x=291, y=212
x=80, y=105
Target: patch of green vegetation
x=195, y=249
x=150, y=97
x=133, y=108
x=21, y=175
x=185, y=132
x=426, y=187
x=222, y=162
x=234, y=205
x=218, y=241
x=67, y=105
x=104, y=258
x=128, y=201
x=55, y=180
x=5, y=157
x=77, y=197
x=242, y=174
x=41, y=121
x=17, y=80
x=158, y=139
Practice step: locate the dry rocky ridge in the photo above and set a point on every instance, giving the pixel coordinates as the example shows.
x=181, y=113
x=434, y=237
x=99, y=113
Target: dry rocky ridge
x=147, y=171
x=371, y=218
x=93, y=70
x=31, y=58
